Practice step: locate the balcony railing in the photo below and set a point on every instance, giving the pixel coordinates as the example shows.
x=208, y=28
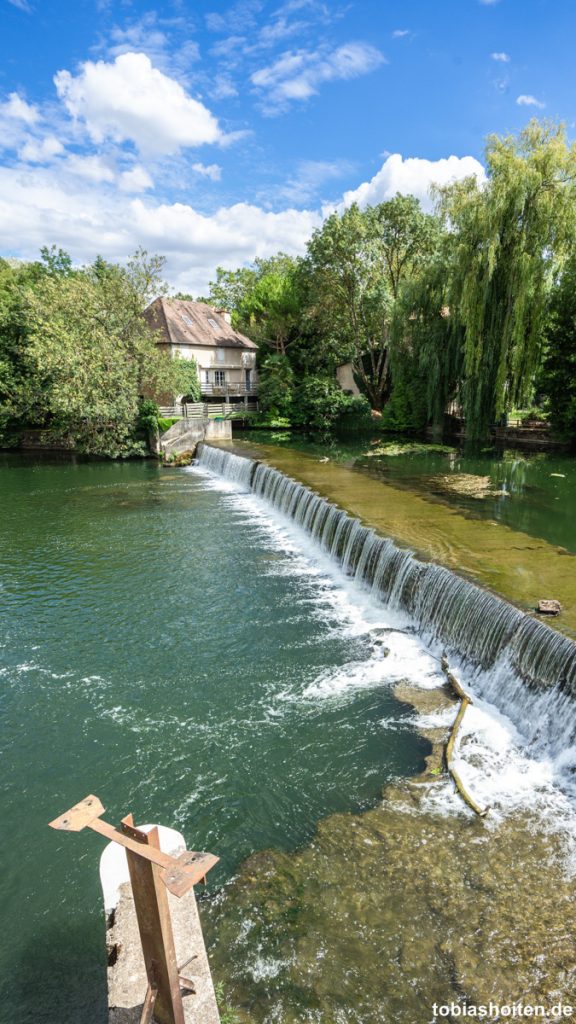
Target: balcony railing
x=230, y=389
x=207, y=410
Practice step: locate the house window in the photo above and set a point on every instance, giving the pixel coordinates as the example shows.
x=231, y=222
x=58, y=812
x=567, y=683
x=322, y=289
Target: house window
x=187, y=320
x=220, y=355
x=219, y=377
x=212, y=323
x=206, y=377
x=248, y=379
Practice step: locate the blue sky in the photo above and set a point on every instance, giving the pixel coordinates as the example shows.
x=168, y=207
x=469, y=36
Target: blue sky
x=214, y=133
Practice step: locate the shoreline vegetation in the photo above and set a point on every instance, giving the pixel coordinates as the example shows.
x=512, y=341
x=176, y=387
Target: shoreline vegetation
x=453, y=322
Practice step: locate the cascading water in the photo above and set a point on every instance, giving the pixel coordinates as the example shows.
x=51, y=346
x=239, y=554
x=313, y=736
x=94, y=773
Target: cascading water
x=476, y=626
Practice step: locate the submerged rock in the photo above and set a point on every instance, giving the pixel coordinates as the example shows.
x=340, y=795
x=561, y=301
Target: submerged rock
x=548, y=607
x=386, y=912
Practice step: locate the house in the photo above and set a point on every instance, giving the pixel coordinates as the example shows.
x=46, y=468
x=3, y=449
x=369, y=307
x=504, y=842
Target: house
x=345, y=378
x=226, y=359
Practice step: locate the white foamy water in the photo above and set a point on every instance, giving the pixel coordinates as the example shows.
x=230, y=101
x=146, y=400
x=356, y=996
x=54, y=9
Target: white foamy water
x=511, y=762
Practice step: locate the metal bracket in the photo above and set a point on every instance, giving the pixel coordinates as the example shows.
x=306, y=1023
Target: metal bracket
x=148, y=865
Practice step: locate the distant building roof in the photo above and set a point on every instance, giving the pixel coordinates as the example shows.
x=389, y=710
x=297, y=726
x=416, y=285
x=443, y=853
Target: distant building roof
x=180, y=322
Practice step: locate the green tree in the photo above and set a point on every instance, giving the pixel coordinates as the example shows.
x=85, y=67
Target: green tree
x=510, y=238
x=557, y=382
x=276, y=386
x=319, y=404
x=76, y=355
x=358, y=263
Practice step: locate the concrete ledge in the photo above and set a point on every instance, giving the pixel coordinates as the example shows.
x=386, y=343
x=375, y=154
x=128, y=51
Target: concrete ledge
x=126, y=975
x=186, y=433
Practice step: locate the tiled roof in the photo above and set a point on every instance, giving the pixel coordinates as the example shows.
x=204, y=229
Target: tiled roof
x=188, y=323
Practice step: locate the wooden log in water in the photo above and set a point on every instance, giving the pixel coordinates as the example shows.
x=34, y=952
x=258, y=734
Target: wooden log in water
x=465, y=701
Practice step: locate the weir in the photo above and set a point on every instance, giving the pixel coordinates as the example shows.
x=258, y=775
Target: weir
x=532, y=668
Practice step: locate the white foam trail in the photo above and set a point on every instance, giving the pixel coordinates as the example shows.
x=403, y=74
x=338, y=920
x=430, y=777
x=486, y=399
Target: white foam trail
x=508, y=763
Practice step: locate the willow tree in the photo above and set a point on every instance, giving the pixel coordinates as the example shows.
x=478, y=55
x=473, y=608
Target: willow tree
x=510, y=237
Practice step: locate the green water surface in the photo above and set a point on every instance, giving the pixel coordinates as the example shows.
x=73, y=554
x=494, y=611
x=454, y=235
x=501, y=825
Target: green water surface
x=156, y=643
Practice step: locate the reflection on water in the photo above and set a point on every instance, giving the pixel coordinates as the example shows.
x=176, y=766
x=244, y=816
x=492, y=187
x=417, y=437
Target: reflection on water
x=521, y=566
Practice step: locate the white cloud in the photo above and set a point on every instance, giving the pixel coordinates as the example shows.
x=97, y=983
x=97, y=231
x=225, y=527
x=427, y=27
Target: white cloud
x=130, y=99
x=529, y=101
x=83, y=207
x=93, y=168
x=297, y=75
x=400, y=33
x=281, y=28
x=413, y=176
x=22, y=5
x=136, y=179
x=223, y=88
x=503, y=58
x=17, y=108
x=38, y=207
x=165, y=42
x=212, y=171
x=239, y=17
x=41, y=151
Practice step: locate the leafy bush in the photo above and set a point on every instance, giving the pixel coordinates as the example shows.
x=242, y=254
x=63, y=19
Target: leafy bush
x=165, y=422
x=271, y=422
x=147, y=421
x=356, y=417
x=319, y=403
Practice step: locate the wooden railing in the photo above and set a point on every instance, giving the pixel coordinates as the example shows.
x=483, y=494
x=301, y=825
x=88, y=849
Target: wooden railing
x=229, y=389
x=205, y=410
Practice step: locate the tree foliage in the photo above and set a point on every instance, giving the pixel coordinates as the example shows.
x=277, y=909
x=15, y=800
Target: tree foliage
x=76, y=356
x=358, y=263
x=558, y=378
x=510, y=239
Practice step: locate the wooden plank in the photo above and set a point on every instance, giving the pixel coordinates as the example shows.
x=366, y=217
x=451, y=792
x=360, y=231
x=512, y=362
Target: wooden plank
x=155, y=927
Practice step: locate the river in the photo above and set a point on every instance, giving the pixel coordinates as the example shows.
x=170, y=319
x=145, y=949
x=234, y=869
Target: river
x=175, y=645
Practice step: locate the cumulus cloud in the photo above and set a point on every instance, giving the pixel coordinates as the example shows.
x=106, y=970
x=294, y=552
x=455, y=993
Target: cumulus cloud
x=164, y=41
x=83, y=207
x=131, y=100
x=136, y=179
x=17, y=108
x=40, y=207
x=503, y=58
x=413, y=176
x=41, y=151
x=400, y=33
x=529, y=101
x=298, y=74
x=93, y=168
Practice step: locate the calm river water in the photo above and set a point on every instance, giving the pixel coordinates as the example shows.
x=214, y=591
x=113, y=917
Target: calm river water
x=171, y=645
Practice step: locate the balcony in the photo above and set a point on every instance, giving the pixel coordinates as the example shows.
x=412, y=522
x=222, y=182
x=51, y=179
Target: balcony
x=232, y=389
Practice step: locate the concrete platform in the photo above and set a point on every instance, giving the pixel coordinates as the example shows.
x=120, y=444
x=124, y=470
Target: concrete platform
x=126, y=975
